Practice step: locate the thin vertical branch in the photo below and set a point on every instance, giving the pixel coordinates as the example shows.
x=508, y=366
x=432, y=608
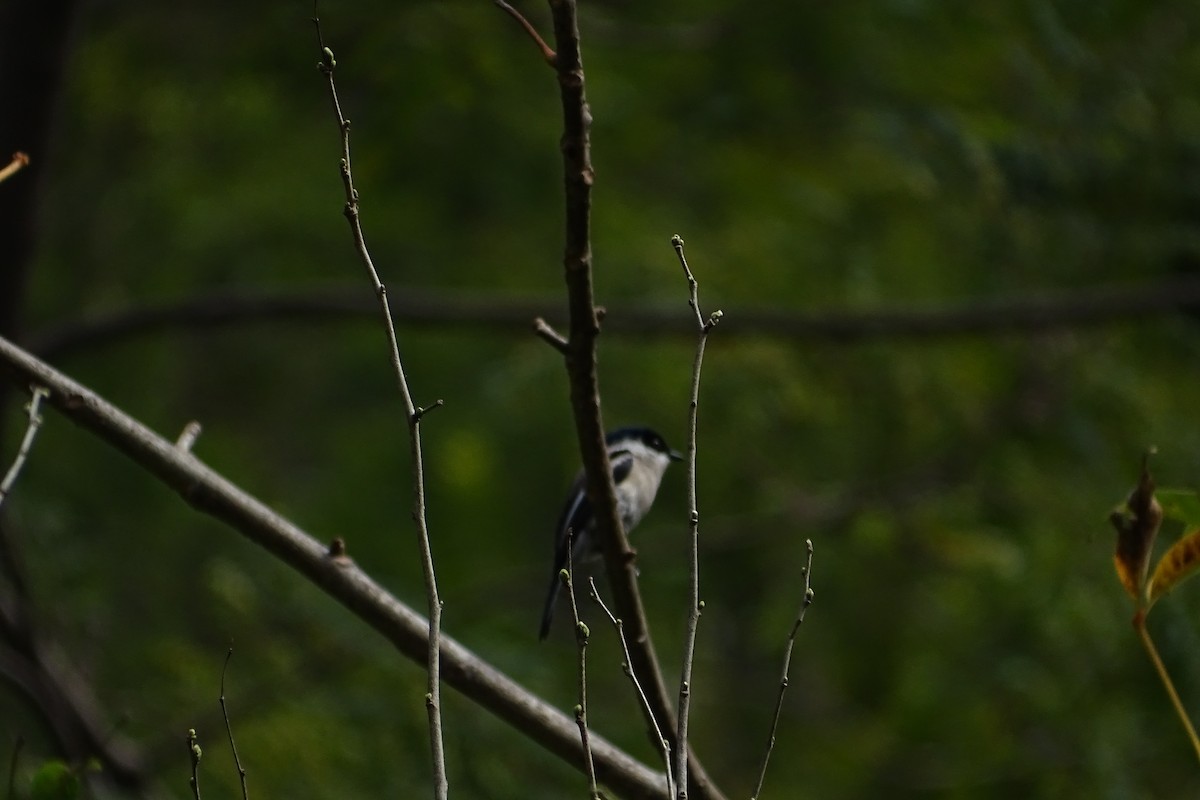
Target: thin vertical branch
x=696, y=606
x=787, y=664
x=582, y=634
x=413, y=415
x=194, y=753
x=229, y=728
x=32, y=408
x=663, y=742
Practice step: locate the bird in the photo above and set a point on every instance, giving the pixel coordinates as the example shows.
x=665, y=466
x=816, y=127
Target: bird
x=639, y=456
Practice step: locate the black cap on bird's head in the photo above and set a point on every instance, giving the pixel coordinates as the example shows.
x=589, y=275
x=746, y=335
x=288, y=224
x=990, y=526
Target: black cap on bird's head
x=647, y=436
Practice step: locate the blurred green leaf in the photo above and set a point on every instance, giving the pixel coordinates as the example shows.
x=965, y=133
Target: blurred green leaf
x=1182, y=505
x=54, y=780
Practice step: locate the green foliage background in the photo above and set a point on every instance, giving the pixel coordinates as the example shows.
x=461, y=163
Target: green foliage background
x=969, y=638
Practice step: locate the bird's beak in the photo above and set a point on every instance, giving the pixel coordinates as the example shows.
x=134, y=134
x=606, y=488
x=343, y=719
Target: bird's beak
x=675, y=455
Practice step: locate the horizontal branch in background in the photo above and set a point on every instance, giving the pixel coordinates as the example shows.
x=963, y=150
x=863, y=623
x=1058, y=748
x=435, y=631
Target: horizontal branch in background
x=329, y=568
x=1083, y=308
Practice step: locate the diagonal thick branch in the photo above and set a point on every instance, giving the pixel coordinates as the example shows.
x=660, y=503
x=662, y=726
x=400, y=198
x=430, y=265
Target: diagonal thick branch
x=208, y=491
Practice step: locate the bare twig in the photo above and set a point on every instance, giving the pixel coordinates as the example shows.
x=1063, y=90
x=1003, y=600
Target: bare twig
x=188, y=436
x=582, y=634
x=696, y=606
x=19, y=161
x=550, y=336
x=194, y=753
x=35, y=421
x=209, y=492
x=664, y=743
x=787, y=664
x=547, y=54
x=229, y=728
x=413, y=415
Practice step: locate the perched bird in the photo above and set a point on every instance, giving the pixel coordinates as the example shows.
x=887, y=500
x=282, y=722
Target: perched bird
x=639, y=457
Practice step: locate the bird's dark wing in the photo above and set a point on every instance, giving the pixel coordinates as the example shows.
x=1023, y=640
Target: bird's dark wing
x=576, y=517
x=622, y=463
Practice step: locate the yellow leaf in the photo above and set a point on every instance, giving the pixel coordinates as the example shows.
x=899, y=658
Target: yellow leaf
x=1177, y=565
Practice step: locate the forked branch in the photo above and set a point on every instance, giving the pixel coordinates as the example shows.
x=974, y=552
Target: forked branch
x=330, y=569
